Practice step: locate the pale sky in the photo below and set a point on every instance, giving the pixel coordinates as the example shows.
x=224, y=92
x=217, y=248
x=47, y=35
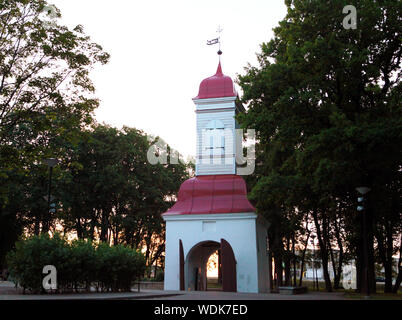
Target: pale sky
x=159, y=55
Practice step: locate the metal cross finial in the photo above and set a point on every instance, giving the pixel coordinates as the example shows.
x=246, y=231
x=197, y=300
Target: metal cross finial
x=217, y=40
x=219, y=31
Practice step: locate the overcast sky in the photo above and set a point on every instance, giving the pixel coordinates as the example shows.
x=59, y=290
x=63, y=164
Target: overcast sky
x=159, y=55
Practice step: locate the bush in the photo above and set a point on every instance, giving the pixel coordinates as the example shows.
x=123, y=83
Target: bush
x=30, y=256
x=83, y=264
x=78, y=264
x=160, y=276
x=118, y=267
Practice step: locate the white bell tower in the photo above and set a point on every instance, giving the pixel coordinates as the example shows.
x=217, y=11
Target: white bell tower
x=212, y=212
x=216, y=125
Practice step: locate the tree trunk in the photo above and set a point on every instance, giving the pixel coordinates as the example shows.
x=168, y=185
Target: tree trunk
x=399, y=278
x=388, y=268
x=278, y=271
x=37, y=226
x=270, y=278
x=116, y=235
x=383, y=252
x=359, y=255
x=302, y=261
x=333, y=262
x=359, y=271
x=104, y=225
x=93, y=223
x=322, y=240
x=337, y=277
x=304, y=253
x=270, y=261
x=294, y=259
x=78, y=228
x=287, y=263
x=337, y=280
x=277, y=252
x=147, y=254
x=370, y=245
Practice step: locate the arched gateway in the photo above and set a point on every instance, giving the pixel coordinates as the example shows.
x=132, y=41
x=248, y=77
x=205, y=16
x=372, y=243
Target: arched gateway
x=195, y=267
x=212, y=211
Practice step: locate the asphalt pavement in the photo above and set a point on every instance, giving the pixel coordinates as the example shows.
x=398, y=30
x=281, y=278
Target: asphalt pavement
x=9, y=292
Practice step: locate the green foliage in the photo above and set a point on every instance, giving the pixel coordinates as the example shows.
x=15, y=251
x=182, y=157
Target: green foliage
x=110, y=191
x=83, y=263
x=160, y=275
x=79, y=264
x=30, y=256
x=325, y=102
x=46, y=98
x=104, y=187
x=118, y=266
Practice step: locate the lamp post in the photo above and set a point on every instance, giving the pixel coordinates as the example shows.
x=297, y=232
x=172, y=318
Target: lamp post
x=314, y=274
x=361, y=207
x=51, y=162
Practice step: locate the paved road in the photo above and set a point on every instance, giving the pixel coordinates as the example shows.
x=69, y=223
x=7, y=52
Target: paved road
x=219, y=295
x=8, y=292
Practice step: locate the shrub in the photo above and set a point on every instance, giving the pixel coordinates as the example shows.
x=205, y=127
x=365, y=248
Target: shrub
x=83, y=264
x=30, y=256
x=118, y=266
x=78, y=264
x=160, y=276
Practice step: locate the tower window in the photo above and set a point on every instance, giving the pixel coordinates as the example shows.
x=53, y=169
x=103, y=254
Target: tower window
x=214, y=142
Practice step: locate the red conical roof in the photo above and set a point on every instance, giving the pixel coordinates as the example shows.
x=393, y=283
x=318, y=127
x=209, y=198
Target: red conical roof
x=212, y=194
x=217, y=86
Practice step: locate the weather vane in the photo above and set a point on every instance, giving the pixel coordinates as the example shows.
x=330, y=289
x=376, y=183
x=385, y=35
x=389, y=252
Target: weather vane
x=216, y=40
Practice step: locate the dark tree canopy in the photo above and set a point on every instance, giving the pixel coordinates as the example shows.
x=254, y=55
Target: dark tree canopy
x=46, y=98
x=103, y=188
x=325, y=102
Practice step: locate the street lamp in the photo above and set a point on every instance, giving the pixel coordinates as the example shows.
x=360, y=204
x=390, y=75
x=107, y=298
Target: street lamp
x=51, y=162
x=361, y=207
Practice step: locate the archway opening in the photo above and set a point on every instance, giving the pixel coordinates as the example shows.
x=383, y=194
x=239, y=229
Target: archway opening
x=214, y=272
x=197, y=265
x=193, y=270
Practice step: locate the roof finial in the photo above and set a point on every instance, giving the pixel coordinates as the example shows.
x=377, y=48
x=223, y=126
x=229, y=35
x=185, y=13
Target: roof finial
x=219, y=30
x=219, y=70
x=217, y=40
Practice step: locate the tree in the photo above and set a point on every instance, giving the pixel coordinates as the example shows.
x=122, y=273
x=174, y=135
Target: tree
x=46, y=98
x=45, y=90
x=44, y=68
x=110, y=192
x=325, y=102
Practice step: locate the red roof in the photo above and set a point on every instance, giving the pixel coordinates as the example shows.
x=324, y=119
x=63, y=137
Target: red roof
x=212, y=194
x=217, y=86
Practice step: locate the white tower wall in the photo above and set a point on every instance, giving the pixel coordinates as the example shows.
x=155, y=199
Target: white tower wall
x=241, y=230
x=224, y=110
x=246, y=232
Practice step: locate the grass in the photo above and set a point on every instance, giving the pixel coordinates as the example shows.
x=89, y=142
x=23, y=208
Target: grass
x=310, y=285
x=213, y=284
x=375, y=296
x=350, y=294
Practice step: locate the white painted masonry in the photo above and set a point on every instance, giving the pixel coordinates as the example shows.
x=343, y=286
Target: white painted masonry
x=201, y=234
x=239, y=229
x=224, y=110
